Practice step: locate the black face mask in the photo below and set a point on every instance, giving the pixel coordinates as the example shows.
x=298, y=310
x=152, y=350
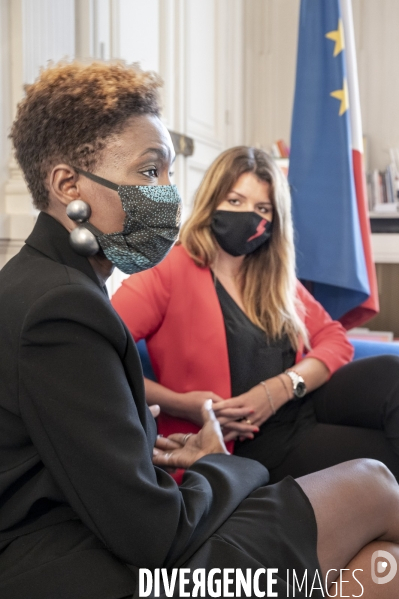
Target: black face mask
x=240, y=233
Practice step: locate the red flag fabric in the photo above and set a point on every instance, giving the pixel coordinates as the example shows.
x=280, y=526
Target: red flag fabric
x=370, y=307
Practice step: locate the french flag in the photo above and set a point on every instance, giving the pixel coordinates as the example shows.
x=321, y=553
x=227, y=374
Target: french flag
x=326, y=174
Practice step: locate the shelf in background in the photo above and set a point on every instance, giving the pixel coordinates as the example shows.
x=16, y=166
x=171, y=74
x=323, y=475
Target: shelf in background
x=393, y=214
x=384, y=223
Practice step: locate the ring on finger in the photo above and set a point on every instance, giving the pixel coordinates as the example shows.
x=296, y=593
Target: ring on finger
x=186, y=438
x=247, y=420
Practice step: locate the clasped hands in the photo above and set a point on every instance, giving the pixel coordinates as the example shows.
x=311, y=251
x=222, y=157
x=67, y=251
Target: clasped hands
x=241, y=416
x=221, y=421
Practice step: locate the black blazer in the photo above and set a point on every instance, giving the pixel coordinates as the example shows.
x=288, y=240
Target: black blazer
x=76, y=440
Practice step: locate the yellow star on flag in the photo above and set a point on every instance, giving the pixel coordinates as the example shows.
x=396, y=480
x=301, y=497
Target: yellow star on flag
x=338, y=37
x=342, y=94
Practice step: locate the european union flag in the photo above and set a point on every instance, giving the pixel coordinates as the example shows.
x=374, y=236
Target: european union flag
x=328, y=232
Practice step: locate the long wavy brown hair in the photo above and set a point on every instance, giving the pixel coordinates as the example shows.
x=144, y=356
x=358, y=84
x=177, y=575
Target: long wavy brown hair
x=267, y=277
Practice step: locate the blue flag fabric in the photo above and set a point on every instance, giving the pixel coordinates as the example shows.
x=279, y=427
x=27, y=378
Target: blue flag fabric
x=327, y=231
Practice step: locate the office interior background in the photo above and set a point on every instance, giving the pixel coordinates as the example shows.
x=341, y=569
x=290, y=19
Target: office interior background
x=229, y=73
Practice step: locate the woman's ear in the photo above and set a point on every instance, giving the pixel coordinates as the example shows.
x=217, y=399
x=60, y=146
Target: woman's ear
x=63, y=184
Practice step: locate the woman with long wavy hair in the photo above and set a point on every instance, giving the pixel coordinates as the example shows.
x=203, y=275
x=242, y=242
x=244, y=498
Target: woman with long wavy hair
x=225, y=317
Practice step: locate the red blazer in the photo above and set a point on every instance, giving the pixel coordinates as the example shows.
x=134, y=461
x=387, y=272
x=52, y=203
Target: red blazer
x=175, y=308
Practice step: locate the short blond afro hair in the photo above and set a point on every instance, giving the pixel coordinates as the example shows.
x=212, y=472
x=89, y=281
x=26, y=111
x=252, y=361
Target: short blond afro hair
x=69, y=112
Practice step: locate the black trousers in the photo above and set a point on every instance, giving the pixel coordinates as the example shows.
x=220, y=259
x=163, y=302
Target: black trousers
x=357, y=414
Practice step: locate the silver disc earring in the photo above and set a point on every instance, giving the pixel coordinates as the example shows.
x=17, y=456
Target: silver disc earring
x=82, y=240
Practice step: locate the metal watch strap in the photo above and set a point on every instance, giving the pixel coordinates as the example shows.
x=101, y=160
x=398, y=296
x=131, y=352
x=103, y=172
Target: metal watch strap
x=298, y=383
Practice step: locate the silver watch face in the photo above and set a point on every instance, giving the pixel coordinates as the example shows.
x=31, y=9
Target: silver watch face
x=298, y=384
x=300, y=389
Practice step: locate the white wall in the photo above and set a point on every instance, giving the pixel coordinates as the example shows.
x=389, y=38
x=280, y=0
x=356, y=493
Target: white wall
x=48, y=33
x=271, y=33
x=139, y=28
x=377, y=42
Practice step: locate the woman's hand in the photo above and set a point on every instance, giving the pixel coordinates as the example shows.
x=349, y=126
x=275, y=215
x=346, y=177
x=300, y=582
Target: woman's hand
x=187, y=406
x=257, y=409
x=180, y=450
x=241, y=429
x=190, y=405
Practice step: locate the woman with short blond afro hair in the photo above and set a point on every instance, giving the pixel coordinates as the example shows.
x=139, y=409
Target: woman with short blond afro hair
x=86, y=498
x=71, y=110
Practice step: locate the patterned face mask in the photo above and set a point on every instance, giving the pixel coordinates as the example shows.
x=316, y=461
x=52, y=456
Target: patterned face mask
x=150, y=228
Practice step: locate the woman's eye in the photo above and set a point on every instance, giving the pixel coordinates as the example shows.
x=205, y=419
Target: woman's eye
x=151, y=172
x=234, y=202
x=265, y=209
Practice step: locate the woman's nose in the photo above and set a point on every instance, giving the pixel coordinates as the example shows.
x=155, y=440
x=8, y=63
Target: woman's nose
x=165, y=179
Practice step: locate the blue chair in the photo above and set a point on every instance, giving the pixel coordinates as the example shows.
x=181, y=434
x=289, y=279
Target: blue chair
x=145, y=360
x=366, y=349
x=363, y=349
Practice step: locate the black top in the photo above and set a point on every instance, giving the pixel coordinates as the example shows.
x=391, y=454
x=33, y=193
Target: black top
x=79, y=495
x=254, y=358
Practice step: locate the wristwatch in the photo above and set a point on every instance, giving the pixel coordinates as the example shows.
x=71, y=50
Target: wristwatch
x=298, y=384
